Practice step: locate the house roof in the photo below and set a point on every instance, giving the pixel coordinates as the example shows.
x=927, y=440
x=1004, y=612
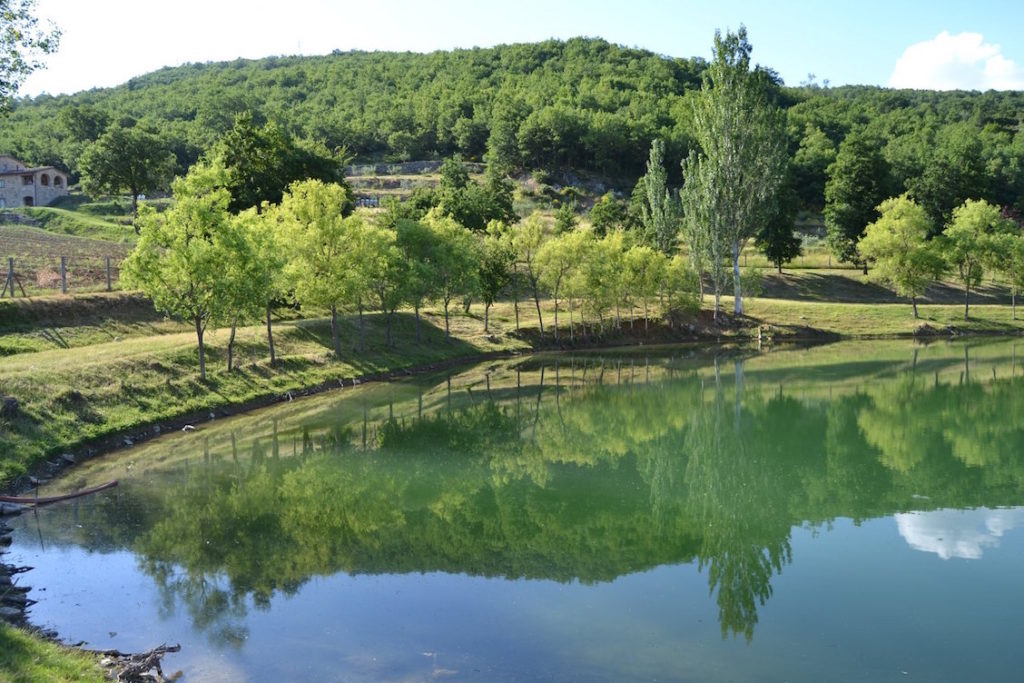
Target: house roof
x=34, y=169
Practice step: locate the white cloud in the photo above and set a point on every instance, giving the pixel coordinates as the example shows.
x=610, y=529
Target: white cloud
x=957, y=533
x=961, y=62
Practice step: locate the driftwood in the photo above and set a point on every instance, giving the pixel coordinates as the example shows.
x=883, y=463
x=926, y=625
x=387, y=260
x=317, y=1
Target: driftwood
x=137, y=668
x=46, y=500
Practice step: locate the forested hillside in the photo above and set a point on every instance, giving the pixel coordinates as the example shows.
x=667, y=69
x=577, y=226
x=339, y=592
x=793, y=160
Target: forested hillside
x=581, y=104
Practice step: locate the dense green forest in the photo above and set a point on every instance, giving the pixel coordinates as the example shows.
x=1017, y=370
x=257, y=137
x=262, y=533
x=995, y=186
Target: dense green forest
x=582, y=105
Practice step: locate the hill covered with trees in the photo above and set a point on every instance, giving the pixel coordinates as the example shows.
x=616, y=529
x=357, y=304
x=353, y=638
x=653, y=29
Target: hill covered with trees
x=582, y=104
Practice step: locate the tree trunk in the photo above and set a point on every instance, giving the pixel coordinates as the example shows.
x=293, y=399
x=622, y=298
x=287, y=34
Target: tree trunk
x=387, y=327
x=334, y=331
x=515, y=297
x=737, y=306
x=536, y=301
x=779, y=264
x=646, y=327
x=362, y=329
x=419, y=337
x=1013, y=303
x=487, y=317
x=913, y=302
x=967, y=299
x=270, y=336
x=202, y=351
x=447, y=332
x=556, y=312
x=572, y=334
x=231, y=347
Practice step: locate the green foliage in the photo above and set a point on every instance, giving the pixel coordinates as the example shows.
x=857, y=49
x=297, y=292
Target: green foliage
x=183, y=254
x=1006, y=257
x=454, y=258
x=322, y=244
x=731, y=182
x=775, y=238
x=23, y=44
x=897, y=243
x=967, y=242
x=126, y=159
x=953, y=172
x=607, y=214
x=566, y=219
x=659, y=210
x=263, y=161
x=809, y=167
x=497, y=261
x=857, y=184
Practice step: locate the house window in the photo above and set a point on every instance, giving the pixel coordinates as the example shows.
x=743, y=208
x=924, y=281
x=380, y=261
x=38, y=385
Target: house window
x=3, y=183
x=57, y=181
x=44, y=180
x=28, y=201
x=26, y=180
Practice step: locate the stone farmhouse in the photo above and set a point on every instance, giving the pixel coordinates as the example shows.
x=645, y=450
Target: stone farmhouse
x=24, y=186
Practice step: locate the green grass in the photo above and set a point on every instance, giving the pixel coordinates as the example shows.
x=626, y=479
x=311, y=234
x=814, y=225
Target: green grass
x=79, y=223
x=25, y=658
x=57, y=322
x=70, y=397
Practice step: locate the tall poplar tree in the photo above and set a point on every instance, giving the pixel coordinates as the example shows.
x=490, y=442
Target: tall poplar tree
x=659, y=210
x=742, y=159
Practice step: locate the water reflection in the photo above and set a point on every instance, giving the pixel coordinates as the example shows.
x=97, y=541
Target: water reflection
x=957, y=533
x=578, y=469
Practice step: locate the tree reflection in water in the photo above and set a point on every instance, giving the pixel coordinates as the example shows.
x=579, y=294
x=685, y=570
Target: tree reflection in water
x=582, y=473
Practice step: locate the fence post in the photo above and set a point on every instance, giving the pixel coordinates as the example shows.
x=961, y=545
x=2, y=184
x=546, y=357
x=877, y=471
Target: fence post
x=9, y=281
x=63, y=274
x=108, y=273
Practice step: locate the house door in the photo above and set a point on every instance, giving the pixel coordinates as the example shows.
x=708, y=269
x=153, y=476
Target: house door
x=28, y=201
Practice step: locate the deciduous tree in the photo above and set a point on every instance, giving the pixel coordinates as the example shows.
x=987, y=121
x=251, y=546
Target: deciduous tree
x=127, y=159
x=897, y=243
x=183, y=254
x=23, y=43
x=320, y=241
x=967, y=242
x=742, y=157
x=857, y=184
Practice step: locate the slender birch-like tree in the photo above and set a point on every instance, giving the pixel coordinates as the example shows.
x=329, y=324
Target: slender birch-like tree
x=742, y=159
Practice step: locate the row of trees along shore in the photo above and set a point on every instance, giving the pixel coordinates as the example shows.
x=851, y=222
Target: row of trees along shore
x=908, y=254
x=199, y=262
x=209, y=265
x=236, y=241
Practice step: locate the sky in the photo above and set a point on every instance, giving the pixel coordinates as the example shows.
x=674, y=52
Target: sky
x=933, y=44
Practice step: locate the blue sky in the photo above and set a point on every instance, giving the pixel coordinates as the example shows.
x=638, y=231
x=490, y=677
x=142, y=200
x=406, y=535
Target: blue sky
x=937, y=44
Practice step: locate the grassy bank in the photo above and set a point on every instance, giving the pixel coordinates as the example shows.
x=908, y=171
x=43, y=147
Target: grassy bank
x=25, y=658
x=93, y=368
x=72, y=398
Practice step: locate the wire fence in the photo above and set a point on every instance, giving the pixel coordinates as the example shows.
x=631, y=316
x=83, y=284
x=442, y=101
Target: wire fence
x=64, y=274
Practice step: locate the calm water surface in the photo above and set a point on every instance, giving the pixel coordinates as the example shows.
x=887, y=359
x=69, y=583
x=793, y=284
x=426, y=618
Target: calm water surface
x=848, y=512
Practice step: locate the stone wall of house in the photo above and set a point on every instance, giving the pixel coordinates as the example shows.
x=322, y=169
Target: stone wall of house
x=44, y=187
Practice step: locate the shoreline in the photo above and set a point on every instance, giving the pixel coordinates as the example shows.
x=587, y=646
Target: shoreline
x=737, y=336
x=58, y=463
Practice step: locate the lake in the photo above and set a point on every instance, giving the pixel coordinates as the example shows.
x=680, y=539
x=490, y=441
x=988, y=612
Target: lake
x=843, y=512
